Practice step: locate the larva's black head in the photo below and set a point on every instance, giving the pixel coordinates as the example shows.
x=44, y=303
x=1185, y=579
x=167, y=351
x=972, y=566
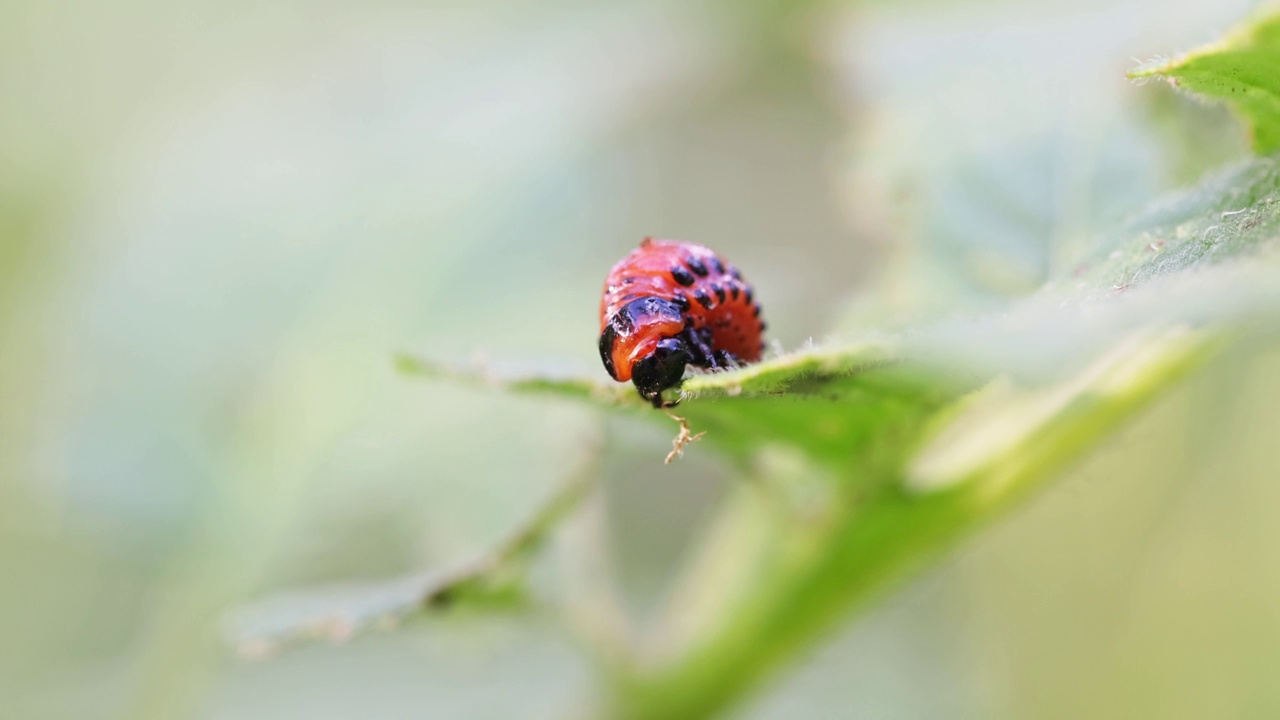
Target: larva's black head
x=660, y=370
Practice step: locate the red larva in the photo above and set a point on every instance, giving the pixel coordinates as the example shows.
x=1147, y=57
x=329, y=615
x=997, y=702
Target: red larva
x=670, y=304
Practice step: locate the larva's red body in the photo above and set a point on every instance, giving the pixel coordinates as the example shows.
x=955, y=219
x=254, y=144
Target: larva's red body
x=669, y=304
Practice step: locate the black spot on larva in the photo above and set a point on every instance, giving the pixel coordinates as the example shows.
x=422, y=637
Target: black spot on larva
x=719, y=266
x=734, y=272
x=682, y=276
x=606, y=349
x=763, y=326
x=755, y=311
x=749, y=294
x=622, y=323
x=719, y=291
x=682, y=301
x=696, y=266
x=628, y=280
x=703, y=299
x=733, y=290
x=632, y=315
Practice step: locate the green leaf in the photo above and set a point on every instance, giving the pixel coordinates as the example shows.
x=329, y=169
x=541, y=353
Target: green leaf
x=477, y=375
x=1242, y=69
x=871, y=462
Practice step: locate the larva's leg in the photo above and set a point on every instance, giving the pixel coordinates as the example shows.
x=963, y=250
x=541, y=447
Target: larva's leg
x=700, y=352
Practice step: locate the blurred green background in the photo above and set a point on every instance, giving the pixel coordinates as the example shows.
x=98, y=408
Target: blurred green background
x=219, y=222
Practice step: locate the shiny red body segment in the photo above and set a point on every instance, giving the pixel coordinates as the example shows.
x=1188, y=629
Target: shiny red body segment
x=669, y=304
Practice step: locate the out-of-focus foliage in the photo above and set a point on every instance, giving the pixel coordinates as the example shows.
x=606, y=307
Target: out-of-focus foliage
x=1242, y=69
